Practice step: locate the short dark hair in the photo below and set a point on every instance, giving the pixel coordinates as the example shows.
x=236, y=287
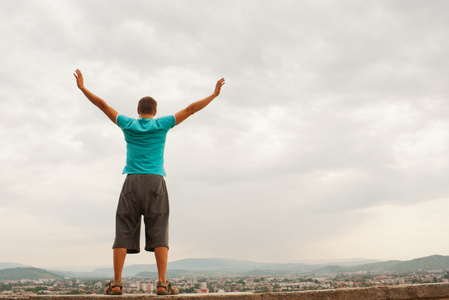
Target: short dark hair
x=147, y=105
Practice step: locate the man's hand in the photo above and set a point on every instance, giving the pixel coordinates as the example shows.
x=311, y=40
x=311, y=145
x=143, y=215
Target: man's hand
x=198, y=105
x=79, y=79
x=218, y=87
x=97, y=101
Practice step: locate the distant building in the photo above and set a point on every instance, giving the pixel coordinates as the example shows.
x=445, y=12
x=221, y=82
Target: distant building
x=204, y=288
x=146, y=287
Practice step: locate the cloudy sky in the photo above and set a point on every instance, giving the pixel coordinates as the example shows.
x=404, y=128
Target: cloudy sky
x=329, y=140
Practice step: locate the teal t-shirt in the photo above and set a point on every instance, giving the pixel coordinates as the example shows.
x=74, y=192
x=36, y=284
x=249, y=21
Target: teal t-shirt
x=145, y=143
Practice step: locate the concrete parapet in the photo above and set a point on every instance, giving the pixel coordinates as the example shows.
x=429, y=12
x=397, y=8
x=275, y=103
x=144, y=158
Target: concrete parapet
x=404, y=292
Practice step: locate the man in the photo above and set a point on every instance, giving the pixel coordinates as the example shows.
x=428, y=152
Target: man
x=144, y=191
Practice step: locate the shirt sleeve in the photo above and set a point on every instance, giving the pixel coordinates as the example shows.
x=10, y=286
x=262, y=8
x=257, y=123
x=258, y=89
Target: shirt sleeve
x=167, y=122
x=123, y=121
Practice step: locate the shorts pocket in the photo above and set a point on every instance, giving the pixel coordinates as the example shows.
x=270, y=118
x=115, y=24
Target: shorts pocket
x=159, y=199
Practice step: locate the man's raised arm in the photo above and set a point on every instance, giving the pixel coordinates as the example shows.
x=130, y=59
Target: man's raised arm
x=198, y=105
x=97, y=101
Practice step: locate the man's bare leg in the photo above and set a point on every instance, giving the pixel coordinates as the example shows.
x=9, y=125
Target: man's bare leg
x=119, y=262
x=161, y=254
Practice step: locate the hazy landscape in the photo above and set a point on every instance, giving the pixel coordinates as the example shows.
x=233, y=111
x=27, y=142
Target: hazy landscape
x=225, y=267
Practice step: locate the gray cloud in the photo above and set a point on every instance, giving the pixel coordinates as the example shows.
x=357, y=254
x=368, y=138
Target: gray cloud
x=332, y=112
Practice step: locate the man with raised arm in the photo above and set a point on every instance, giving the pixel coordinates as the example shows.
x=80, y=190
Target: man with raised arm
x=144, y=191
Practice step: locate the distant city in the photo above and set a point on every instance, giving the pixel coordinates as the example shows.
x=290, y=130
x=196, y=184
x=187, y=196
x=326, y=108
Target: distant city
x=230, y=276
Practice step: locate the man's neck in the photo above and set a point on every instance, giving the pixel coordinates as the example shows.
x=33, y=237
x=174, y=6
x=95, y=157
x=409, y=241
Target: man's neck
x=146, y=116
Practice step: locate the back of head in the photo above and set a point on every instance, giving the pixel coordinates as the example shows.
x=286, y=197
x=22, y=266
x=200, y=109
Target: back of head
x=147, y=105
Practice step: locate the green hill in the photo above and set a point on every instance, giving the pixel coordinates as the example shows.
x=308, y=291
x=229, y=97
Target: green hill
x=219, y=267
x=378, y=267
x=330, y=269
x=27, y=273
x=179, y=273
x=434, y=262
x=5, y=265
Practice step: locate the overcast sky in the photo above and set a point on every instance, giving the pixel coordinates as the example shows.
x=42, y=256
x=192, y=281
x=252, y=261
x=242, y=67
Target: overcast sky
x=329, y=140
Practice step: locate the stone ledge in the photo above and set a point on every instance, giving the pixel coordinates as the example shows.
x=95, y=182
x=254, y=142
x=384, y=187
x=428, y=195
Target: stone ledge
x=405, y=292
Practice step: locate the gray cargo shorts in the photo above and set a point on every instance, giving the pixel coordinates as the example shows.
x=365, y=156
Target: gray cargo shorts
x=142, y=195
